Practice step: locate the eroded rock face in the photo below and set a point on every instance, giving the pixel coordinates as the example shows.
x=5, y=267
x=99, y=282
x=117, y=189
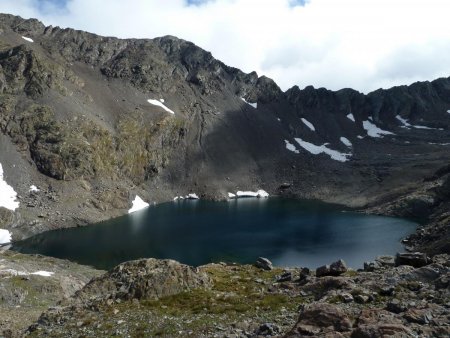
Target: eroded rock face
x=145, y=279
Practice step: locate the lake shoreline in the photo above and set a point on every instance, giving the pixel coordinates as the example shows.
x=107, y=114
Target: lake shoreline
x=290, y=232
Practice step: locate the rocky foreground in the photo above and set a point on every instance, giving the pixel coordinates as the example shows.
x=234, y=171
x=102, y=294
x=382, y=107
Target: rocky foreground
x=29, y=284
x=403, y=296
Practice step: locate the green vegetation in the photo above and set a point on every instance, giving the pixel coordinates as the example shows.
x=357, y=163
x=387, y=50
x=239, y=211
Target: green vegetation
x=238, y=294
x=233, y=292
x=80, y=148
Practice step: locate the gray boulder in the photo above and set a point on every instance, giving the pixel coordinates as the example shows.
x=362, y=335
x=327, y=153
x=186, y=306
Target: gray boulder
x=415, y=259
x=263, y=263
x=338, y=268
x=335, y=269
x=323, y=270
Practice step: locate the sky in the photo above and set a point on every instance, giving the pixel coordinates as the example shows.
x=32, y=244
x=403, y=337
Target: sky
x=362, y=44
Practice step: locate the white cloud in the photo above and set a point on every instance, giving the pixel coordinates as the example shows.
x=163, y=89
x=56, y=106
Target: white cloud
x=364, y=44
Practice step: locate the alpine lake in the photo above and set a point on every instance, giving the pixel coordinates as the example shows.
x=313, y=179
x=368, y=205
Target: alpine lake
x=289, y=232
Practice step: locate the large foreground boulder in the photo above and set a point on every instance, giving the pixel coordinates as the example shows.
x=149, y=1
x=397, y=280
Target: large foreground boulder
x=145, y=279
x=320, y=319
x=379, y=323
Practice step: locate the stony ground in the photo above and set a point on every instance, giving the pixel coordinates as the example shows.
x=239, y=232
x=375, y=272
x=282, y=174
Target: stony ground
x=246, y=301
x=26, y=290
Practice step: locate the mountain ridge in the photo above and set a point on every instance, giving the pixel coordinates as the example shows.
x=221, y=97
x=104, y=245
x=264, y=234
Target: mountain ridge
x=75, y=113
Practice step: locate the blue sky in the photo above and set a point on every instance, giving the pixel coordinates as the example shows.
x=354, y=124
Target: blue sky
x=62, y=3
x=363, y=44
x=200, y=2
x=58, y=3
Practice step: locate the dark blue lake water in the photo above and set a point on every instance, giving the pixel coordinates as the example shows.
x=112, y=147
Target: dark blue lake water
x=288, y=232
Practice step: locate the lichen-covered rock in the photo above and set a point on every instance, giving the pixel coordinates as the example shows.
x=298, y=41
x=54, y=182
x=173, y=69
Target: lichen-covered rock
x=145, y=279
x=419, y=316
x=379, y=323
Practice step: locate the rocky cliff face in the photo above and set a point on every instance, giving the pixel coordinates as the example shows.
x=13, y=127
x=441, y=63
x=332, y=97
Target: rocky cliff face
x=76, y=121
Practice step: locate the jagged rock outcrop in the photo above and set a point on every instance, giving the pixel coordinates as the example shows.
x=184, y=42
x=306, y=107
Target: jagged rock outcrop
x=145, y=279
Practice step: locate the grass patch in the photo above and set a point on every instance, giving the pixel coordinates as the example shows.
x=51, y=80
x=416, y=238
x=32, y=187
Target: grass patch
x=234, y=292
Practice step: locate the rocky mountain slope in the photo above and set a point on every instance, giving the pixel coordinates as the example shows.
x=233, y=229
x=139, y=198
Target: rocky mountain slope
x=76, y=122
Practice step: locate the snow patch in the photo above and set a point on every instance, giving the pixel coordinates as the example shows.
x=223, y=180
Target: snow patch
x=34, y=188
x=351, y=117
x=231, y=195
x=291, y=147
x=7, y=194
x=308, y=124
x=374, y=131
x=27, y=39
x=160, y=104
x=138, y=204
x=360, y=137
x=278, y=119
x=346, y=141
x=5, y=236
x=315, y=150
x=403, y=121
x=14, y=272
x=448, y=111
x=260, y=194
x=254, y=105
x=161, y=100
x=423, y=127
x=439, y=144
x=192, y=196
x=43, y=273
x=408, y=125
